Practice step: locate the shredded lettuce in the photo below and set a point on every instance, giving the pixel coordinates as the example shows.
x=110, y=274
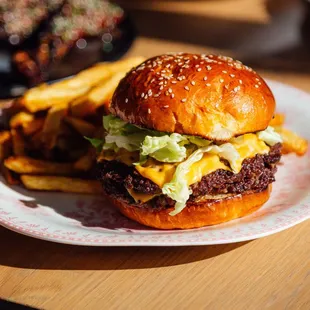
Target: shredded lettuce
x=269, y=136
x=166, y=148
x=96, y=143
x=178, y=189
x=161, y=146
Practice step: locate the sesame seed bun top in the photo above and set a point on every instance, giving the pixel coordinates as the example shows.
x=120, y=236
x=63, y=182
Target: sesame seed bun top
x=214, y=97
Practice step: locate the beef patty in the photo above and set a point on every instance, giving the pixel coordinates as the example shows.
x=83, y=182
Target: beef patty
x=255, y=176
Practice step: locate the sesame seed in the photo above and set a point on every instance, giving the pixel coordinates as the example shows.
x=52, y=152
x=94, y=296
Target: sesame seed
x=186, y=87
x=222, y=80
x=226, y=86
x=209, y=67
x=199, y=69
x=142, y=95
x=173, y=82
x=240, y=81
x=197, y=66
x=161, y=87
x=166, y=106
x=167, y=93
x=232, y=75
x=183, y=100
x=193, y=83
x=205, y=78
x=126, y=100
x=256, y=85
x=257, y=79
x=236, y=88
x=224, y=71
x=172, y=96
x=195, y=57
x=208, y=84
x=156, y=95
x=149, y=111
x=145, y=97
x=149, y=92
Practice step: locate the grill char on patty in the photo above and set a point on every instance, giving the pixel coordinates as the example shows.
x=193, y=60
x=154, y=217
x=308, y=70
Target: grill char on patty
x=255, y=176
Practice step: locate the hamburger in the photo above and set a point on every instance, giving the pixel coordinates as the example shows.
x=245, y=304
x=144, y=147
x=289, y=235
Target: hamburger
x=188, y=142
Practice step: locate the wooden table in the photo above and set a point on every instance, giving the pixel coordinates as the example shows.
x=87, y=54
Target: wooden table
x=272, y=273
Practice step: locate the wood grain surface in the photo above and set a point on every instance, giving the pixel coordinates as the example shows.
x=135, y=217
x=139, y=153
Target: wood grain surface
x=269, y=273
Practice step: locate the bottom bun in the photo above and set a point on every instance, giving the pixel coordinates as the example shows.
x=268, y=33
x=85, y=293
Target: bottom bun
x=194, y=215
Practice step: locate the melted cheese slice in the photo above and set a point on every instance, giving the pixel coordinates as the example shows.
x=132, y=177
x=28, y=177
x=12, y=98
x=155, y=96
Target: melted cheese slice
x=206, y=165
x=248, y=146
x=159, y=173
x=138, y=197
x=122, y=155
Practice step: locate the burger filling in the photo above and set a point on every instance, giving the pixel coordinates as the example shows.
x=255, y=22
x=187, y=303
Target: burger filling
x=153, y=168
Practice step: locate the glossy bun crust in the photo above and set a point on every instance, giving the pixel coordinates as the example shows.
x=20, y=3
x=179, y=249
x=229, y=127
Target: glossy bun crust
x=210, y=96
x=196, y=215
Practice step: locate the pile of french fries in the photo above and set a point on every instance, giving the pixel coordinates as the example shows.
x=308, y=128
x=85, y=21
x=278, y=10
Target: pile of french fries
x=292, y=142
x=44, y=146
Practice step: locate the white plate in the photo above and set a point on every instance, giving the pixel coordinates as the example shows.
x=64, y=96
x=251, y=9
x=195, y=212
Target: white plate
x=85, y=220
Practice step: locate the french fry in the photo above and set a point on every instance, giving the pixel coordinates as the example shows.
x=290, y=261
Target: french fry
x=292, y=142
x=30, y=128
x=52, y=125
x=125, y=64
x=86, y=162
x=80, y=107
x=27, y=165
x=62, y=184
x=102, y=92
x=5, y=144
x=20, y=119
x=278, y=120
x=18, y=143
x=83, y=127
x=46, y=96
x=8, y=175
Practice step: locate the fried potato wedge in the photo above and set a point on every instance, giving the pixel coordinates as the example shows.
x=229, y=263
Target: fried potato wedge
x=20, y=119
x=102, y=94
x=18, y=143
x=278, y=120
x=292, y=142
x=87, y=161
x=61, y=184
x=83, y=127
x=30, y=128
x=98, y=96
x=124, y=64
x=9, y=176
x=46, y=96
x=27, y=165
x=52, y=125
x=5, y=144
